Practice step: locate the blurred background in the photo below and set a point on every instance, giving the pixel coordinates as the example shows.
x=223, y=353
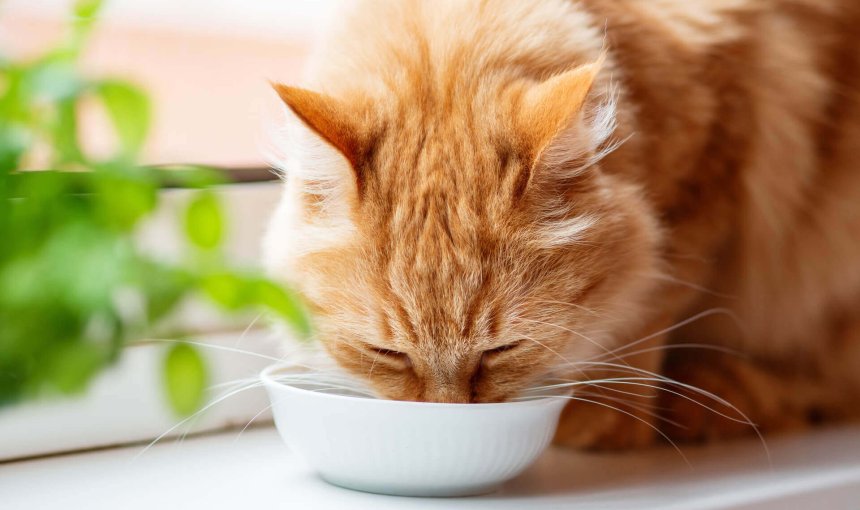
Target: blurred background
x=204, y=63
x=133, y=197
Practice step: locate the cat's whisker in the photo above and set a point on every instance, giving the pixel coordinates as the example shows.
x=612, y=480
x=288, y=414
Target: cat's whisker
x=252, y=420
x=623, y=392
x=686, y=397
x=332, y=380
x=663, y=380
x=335, y=378
x=622, y=411
x=550, y=349
x=324, y=381
x=707, y=347
x=351, y=392
x=247, y=329
x=668, y=380
x=321, y=377
x=588, y=382
x=567, y=362
x=233, y=383
x=311, y=372
x=644, y=409
x=320, y=384
x=373, y=364
x=694, y=318
x=671, y=279
x=591, y=340
x=203, y=409
x=209, y=346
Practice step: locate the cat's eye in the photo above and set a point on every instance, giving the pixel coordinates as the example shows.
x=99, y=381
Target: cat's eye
x=492, y=354
x=397, y=358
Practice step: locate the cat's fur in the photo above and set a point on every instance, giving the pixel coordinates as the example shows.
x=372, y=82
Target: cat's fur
x=479, y=194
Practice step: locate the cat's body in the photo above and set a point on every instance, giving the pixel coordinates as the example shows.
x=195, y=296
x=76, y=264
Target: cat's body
x=472, y=207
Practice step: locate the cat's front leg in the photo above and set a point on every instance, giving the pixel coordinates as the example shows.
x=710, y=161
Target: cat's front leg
x=607, y=424
x=619, y=414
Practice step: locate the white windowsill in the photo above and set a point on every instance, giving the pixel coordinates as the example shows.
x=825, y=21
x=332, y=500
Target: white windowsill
x=255, y=470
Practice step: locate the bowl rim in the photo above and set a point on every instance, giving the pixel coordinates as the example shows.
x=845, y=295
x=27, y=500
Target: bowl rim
x=269, y=381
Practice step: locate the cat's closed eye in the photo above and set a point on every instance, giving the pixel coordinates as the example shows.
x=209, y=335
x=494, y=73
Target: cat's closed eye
x=492, y=355
x=395, y=358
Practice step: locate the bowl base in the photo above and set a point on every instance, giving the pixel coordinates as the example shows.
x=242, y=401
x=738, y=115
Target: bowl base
x=422, y=491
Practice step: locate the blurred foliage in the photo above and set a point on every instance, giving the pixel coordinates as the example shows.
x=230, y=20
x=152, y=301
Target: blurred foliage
x=74, y=286
x=186, y=378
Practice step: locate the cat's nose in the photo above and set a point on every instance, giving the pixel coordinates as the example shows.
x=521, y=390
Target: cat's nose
x=448, y=393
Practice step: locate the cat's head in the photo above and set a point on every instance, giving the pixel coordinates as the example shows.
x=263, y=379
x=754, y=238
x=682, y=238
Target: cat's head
x=461, y=246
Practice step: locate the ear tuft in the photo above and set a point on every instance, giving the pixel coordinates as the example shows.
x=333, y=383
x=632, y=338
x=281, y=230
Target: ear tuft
x=549, y=107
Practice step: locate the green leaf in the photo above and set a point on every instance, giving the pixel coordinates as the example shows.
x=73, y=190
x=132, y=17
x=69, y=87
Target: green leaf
x=53, y=79
x=185, y=379
x=71, y=366
x=124, y=195
x=234, y=292
x=285, y=304
x=129, y=110
x=67, y=147
x=86, y=14
x=14, y=142
x=87, y=8
x=228, y=290
x=190, y=176
x=164, y=287
x=204, y=221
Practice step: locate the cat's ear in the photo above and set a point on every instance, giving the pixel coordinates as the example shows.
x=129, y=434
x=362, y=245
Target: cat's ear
x=327, y=137
x=556, y=121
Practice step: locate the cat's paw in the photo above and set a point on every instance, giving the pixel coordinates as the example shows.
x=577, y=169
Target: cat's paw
x=590, y=426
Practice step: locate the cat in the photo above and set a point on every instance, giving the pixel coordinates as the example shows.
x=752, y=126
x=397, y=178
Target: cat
x=662, y=195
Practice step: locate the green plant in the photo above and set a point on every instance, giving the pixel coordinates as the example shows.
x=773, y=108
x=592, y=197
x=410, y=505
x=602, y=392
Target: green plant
x=74, y=287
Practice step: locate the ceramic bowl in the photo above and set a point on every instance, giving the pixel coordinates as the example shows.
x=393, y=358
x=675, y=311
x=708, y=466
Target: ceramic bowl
x=409, y=448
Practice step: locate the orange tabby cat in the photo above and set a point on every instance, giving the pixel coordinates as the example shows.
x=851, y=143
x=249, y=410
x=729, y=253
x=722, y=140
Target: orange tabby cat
x=484, y=195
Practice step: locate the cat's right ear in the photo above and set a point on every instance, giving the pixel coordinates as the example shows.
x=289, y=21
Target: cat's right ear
x=559, y=126
x=328, y=142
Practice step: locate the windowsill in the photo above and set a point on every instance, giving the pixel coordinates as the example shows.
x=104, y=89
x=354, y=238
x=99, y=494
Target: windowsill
x=255, y=470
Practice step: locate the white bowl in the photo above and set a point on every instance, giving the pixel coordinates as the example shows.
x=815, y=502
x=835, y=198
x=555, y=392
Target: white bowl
x=410, y=448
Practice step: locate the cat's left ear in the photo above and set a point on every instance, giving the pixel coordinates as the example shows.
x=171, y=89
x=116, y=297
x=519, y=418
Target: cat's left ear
x=552, y=119
x=329, y=138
